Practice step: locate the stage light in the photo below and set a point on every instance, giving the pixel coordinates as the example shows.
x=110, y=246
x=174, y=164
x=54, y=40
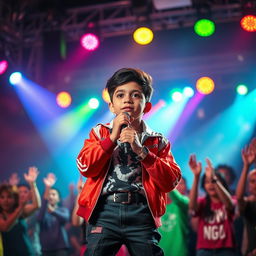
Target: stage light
x=105, y=95
x=204, y=27
x=143, y=35
x=3, y=66
x=176, y=95
x=242, y=89
x=248, y=23
x=93, y=103
x=205, y=85
x=15, y=78
x=90, y=42
x=63, y=99
x=188, y=92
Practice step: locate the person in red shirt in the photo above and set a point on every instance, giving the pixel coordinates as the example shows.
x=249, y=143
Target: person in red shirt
x=215, y=212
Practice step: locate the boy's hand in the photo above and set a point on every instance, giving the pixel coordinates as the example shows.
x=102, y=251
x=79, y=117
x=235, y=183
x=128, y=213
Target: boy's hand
x=196, y=167
x=119, y=120
x=130, y=135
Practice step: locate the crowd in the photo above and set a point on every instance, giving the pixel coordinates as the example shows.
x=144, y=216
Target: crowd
x=219, y=220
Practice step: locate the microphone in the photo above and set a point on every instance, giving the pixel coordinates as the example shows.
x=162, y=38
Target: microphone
x=126, y=146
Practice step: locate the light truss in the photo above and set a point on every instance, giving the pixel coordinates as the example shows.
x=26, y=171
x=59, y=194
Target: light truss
x=110, y=20
x=115, y=19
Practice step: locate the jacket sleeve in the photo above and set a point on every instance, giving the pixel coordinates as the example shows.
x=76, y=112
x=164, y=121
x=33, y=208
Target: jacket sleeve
x=95, y=153
x=162, y=168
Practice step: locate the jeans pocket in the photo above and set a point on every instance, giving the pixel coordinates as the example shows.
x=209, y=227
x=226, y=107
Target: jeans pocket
x=94, y=235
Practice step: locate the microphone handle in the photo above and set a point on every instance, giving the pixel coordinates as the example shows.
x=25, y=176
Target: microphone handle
x=126, y=146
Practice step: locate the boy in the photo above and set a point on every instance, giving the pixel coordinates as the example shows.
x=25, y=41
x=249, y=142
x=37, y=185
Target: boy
x=125, y=192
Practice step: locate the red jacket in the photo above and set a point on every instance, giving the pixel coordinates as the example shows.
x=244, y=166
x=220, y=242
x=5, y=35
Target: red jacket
x=160, y=172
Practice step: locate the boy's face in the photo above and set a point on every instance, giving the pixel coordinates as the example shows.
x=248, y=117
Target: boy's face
x=129, y=98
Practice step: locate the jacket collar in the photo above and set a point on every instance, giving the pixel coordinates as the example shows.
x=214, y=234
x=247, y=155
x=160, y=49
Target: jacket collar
x=147, y=131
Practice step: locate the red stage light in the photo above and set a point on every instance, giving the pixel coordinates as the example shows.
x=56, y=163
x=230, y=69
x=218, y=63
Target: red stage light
x=248, y=23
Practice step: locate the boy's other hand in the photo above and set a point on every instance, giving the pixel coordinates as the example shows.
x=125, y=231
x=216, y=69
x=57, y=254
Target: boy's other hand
x=119, y=120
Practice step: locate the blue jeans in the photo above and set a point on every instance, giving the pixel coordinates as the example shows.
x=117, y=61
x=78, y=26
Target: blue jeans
x=113, y=224
x=216, y=252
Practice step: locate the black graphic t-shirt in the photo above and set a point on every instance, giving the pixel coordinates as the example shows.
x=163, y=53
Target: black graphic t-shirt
x=124, y=173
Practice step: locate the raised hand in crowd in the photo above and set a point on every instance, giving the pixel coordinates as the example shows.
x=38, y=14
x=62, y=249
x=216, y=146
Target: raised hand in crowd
x=196, y=168
x=32, y=193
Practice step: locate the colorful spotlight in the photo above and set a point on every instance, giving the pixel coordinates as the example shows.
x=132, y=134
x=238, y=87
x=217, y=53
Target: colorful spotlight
x=205, y=85
x=248, y=23
x=188, y=92
x=143, y=35
x=3, y=66
x=242, y=89
x=90, y=42
x=105, y=95
x=93, y=103
x=204, y=27
x=176, y=95
x=15, y=78
x=63, y=99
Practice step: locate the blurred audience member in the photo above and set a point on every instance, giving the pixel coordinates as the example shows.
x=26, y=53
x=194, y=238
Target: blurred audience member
x=247, y=204
x=215, y=211
x=174, y=229
x=52, y=218
x=13, y=211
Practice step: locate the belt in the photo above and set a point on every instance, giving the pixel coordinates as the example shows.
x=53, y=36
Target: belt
x=126, y=198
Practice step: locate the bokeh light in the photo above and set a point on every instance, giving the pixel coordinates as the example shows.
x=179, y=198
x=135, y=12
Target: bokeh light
x=204, y=27
x=3, y=66
x=248, y=23
x=176, y=95
x=242, y=89
x=205, y=85
x=63, y=99
x=188, y=92
x=90, y=42
x=105, y=95
x=15, y=78
x=93, y=103
x=143, y=35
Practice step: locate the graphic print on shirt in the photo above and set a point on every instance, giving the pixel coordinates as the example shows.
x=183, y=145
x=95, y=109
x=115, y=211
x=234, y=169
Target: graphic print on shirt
x=214, y=225
x=124, y=173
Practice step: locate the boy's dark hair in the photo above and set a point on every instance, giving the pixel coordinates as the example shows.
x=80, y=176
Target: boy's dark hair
x=126, y=75
x=207, y=211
